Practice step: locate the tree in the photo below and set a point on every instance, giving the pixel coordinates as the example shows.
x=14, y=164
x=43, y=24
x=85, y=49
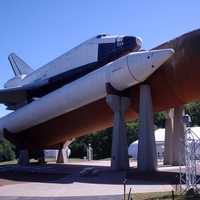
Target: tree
x=101, y=142
x=193, y=109
x=7, y=150
x=159, y=120
x=132, y=131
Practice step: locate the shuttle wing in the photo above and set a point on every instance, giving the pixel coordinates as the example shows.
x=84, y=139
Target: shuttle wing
x=16, y=97
x=13, y=96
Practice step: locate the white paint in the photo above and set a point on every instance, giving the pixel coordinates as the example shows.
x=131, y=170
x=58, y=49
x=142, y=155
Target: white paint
x=122, y=73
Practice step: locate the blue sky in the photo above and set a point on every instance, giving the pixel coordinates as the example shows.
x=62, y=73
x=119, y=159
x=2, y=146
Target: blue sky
x=40, y=30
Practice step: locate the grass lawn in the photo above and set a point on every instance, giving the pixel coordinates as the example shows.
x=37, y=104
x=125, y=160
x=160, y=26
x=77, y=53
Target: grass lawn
x=162, y=195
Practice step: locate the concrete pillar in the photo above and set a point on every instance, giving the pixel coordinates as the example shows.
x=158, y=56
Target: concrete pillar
x=119, y=106
x=147, y=157
x=179, y=137
x=62, y=156
x=41, y=158
x=169, y=129
x=23, y=157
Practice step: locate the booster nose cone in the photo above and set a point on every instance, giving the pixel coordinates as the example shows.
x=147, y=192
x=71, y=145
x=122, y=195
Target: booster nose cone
x=158, y=57
x=143, y=64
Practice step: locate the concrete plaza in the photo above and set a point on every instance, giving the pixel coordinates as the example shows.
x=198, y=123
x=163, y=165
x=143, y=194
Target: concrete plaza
x=56, y=181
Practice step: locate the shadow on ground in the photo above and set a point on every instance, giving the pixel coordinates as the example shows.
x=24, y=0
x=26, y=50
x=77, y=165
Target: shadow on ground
x=69, y=173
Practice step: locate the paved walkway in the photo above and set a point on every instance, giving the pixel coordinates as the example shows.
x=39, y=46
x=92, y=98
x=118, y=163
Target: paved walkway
x=113, y=197
x=59, y=181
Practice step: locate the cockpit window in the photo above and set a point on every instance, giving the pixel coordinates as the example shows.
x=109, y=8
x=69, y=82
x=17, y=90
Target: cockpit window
x=119, y=43
x=101, y=35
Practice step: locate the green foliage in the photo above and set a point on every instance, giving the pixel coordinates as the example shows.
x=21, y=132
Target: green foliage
x=101, y=142
x=6, y=151
x=132, y=131
x=159, y=120
x=193, y=109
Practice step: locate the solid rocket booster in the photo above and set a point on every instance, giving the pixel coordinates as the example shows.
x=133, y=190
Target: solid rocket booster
x=123, y=73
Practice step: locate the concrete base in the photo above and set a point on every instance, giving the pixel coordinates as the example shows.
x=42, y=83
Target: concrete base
x=119, y=106
x=62, y=156
x=147, y=160
x=23, y=157
x=178, y=137
x=169, y=129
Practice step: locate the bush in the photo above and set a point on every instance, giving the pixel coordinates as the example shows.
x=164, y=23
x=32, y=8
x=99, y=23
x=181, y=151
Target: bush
x=100, y=142
x=6, y=150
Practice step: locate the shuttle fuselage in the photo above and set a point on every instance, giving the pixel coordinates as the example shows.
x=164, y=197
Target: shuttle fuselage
x=79, y=61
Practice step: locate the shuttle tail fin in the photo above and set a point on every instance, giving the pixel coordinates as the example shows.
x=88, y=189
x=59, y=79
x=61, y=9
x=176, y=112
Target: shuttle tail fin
x=18, y=65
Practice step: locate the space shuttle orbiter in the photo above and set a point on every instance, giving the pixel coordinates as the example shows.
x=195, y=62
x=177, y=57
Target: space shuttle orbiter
x=72, y=82
x=72, y=65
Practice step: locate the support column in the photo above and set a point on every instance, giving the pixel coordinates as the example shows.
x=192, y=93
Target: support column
x=119, y=106
x=169, y=128
x=179, y=137
x=23, y=157
x=147, y=158
x=62, y=156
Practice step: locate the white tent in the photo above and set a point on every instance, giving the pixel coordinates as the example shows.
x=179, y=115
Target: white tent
x=160, y=139
x=52, y=153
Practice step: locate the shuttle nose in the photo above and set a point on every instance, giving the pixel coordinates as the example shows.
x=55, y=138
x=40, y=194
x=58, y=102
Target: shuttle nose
x=132, y=43
x=139, y=42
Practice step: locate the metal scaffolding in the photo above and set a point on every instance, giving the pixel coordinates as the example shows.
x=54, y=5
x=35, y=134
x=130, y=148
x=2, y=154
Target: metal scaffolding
x=188, y=173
